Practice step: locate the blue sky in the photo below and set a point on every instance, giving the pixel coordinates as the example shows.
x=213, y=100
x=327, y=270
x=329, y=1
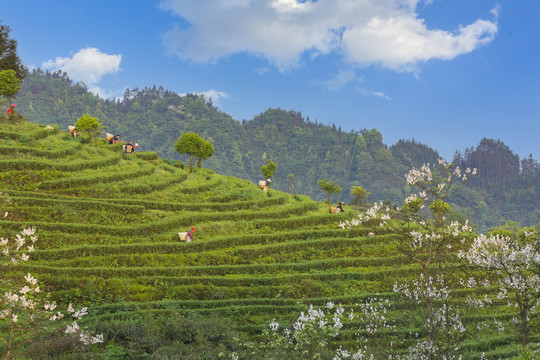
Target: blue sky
x=444, y=72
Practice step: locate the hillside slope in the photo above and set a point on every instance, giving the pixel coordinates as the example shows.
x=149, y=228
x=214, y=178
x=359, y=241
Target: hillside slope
x=107, y=227
x=155, y=118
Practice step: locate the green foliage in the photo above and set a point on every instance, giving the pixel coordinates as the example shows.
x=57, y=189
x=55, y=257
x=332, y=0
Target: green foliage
x=89, y=125
x=359, y=194
x=269, y=169
x=9, y=84
x=329, y=187
x=9, y=59
x=194, y=146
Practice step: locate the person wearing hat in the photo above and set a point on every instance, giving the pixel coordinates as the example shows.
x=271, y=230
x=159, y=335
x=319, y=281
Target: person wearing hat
x=340, y=207
x=115, y=139
x=11, y=110
x=189, y=235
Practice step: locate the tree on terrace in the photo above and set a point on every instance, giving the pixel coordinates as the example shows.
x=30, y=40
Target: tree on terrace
x=359, y=193
x=9, y=84
x=89, y=125
x=329, y=187
x=194, y=146
x=269, y=169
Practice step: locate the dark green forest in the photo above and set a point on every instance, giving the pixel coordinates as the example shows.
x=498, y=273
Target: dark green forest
x=506, y=187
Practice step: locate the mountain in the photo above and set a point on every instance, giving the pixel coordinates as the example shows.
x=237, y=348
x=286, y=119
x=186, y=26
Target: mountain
x=155, y=118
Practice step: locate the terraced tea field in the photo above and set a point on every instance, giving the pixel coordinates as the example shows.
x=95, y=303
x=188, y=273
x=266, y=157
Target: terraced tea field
x=107, y=227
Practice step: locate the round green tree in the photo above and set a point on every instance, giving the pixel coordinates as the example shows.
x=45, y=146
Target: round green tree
x=89, y=125
x=359, y=194
x=9, y=84
x=329, y=187
x=206, y=149
x=194, y=146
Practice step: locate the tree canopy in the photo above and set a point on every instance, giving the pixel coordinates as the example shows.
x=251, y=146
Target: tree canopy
x=194, y=146
x=329, y=187
x=90, y=125
x=9, y=59
x=359, y=193
x=9, y=84
x=269, y=169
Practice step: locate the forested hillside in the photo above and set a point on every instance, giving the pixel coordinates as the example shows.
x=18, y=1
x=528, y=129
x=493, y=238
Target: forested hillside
x=505, y=189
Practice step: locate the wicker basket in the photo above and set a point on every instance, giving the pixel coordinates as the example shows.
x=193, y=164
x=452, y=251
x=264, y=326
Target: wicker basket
x=334, y=210
x=182, y=236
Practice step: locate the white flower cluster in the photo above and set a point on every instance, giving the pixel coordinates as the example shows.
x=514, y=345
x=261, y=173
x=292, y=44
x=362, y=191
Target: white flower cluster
x=501, y=253
x=14, y=249
x=360, y=354
x=317, y=316
x=432, y=288
x=85, y=336
x=371, y=214
x=14, y=302
x=415, y=176
x=426, y=175
x=374, y=315
x=515, y=265
x=26, y=304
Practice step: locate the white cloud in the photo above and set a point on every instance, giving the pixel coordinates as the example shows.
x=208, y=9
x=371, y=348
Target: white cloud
x=88, y=65
x=107, y=94
x=339, y=80
x=386, y=33
x=215, y=95
x=381, y=95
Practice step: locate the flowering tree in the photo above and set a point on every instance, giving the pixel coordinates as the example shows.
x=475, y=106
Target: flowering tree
x=424, y=235
x=310, y=335
x=26, y=311
x=514, y=266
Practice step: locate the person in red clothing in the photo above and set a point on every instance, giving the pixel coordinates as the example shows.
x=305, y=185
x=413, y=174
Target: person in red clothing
x=11, y=109
x=189, y=236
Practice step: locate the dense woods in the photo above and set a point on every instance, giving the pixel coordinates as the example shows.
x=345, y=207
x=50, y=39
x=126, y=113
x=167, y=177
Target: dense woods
x=504, y=189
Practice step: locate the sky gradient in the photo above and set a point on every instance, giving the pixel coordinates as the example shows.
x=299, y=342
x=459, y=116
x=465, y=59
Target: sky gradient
x=444, y=72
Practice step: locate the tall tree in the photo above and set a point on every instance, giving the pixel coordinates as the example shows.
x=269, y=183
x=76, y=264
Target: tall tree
x=9, y=59
x=9, y=84
x=329, y=187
